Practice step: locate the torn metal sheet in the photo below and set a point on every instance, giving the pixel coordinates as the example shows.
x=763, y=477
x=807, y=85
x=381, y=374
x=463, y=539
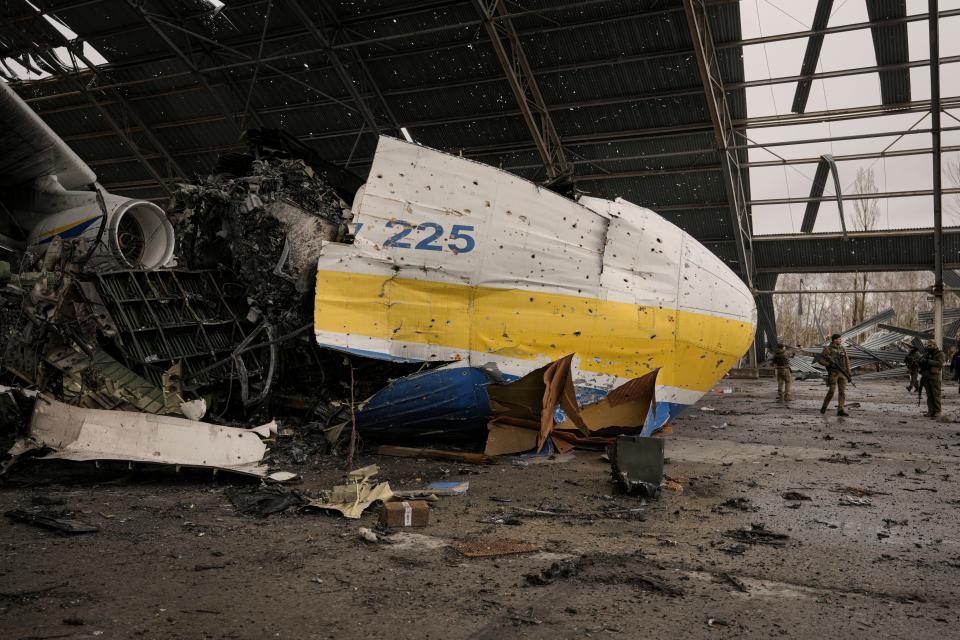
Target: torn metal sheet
x=525, y=412
x=350, y=500
x=459, y=262
x=79, y=434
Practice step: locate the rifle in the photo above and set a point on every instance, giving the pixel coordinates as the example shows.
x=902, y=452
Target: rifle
x=830, y=362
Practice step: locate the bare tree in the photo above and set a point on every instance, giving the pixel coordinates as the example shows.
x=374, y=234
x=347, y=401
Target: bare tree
x=865, y=214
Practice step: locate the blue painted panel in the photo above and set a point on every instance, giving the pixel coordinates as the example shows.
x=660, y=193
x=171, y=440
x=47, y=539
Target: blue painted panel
x=443, y=404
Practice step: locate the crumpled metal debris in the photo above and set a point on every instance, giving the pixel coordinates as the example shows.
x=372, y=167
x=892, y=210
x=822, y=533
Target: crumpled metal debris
x=265, y=226
x=350, y=500
x=67, y=432
x=265, y=500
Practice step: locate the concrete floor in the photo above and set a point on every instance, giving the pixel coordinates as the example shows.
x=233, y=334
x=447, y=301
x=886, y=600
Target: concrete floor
x=174, y=560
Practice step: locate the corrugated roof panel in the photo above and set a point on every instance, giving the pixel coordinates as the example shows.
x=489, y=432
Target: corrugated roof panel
x=658, y=191
x=831, y=252
x=891, y=47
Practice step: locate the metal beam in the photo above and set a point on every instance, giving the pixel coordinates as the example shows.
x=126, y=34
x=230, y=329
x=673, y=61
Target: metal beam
x=140, y=8
x=900, y=153
x=338, y=66
x=844, y=28
x=827, y=167
x=723, y=131
x=934, y=30
x=812, y=55
x=914, y=193
x=890, y=45
x=506, y=44
x=840, y=73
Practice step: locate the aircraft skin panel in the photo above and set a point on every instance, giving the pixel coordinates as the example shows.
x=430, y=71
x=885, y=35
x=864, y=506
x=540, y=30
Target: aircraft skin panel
x=412, y=319
x=456, y=261
x=69, y=230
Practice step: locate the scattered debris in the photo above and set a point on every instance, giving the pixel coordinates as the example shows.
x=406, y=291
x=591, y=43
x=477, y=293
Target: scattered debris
x=851, y=501
x=637, y=464
x=556, y=571
x=438, y=454
x=351, y=500
x=412, y=513
x=56, y=520
x=735, y=582
x=674, y=485
x=434, y=490
x=265, y=500
x=486, y=548
x=367, y=535
x=838, y=458
x=758, y=534
x=795, y=495
x=860, y=492
x=740, y=504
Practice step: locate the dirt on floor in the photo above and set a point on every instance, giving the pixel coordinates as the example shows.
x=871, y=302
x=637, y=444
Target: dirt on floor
x=728, y=557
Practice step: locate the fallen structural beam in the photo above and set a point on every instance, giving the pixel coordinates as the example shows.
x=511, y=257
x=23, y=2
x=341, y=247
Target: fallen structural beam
x=812, y=55
x=437, y=454
x=825, y=168
x=923, y=335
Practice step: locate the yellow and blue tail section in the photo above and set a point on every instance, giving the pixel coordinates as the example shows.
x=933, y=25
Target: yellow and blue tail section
x=460, y=263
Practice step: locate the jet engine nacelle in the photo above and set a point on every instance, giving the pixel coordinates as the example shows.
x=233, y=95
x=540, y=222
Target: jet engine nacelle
x=133, y=234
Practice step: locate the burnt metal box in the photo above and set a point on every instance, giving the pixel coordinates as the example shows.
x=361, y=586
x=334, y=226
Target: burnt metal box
x=638, y=464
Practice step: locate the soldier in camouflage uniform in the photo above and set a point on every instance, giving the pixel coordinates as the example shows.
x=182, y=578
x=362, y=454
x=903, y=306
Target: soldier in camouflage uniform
x=931, y=366
x=781, y=361
x=834, y=358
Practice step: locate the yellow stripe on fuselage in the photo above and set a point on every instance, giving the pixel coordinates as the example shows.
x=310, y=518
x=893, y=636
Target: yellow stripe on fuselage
x=692, y=350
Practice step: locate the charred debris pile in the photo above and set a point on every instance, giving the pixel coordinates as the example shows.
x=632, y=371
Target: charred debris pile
x=222, y=334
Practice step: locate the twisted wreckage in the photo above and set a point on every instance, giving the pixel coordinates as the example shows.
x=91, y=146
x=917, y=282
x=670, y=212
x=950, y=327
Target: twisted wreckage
x=449, y=302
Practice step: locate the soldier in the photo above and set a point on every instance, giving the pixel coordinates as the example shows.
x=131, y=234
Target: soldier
x=955, y=364
x=912, y=360
x=931, y=365
x=834, y=358
x=781, y=361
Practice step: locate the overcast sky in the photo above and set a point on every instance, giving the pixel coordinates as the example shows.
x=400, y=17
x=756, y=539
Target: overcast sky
x=844, y=51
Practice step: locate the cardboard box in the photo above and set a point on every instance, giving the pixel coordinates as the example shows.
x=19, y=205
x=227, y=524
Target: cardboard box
x=408, y=513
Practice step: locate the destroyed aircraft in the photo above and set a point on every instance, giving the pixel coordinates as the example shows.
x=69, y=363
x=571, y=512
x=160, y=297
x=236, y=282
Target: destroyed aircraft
x=460, y=263
x=469, y=301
